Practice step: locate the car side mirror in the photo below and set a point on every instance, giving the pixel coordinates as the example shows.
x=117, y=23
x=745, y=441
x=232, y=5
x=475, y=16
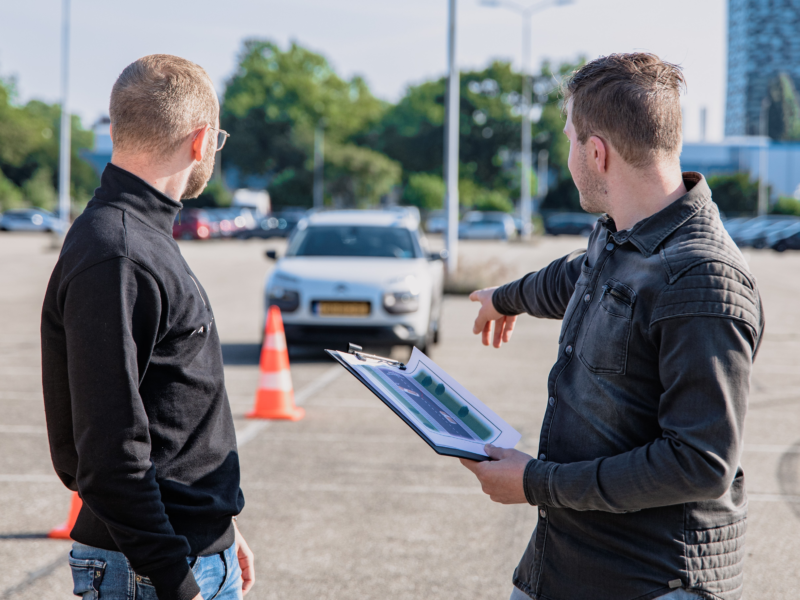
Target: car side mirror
x=271, y=254
x=440, y=255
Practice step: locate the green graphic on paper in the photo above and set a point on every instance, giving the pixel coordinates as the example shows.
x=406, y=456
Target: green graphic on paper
x=390, y=386
x=455, y=404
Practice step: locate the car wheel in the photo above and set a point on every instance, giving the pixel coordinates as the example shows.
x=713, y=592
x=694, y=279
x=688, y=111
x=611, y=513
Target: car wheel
x=780, y=246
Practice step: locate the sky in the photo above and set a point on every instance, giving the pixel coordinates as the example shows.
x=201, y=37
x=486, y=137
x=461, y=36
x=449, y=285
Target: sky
x=391, y=44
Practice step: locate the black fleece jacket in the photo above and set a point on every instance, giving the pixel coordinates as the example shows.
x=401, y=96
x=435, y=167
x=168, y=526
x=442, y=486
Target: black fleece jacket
x=137, y=414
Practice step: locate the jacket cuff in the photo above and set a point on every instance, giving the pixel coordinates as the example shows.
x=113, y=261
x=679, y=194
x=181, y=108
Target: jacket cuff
x=536, y=482
x=174, y=582
x=497, y=300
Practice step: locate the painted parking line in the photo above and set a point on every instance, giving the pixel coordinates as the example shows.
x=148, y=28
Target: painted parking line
x=249, y=433
x=23, y=429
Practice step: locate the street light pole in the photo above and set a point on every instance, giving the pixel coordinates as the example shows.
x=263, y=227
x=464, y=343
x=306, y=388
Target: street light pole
x=526, y=165
x=451, y=145
x=319, y=163
x=66, y=122
x=763, y=159
x=525, y=182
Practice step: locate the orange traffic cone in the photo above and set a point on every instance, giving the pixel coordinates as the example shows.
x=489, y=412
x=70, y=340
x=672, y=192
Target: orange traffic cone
x=62, y=531
x=275, y=395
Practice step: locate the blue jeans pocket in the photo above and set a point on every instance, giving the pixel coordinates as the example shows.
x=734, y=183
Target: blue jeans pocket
x=87, y=575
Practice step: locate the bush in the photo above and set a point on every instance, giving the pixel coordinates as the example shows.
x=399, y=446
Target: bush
x=786, y=206
x=424, y=191
x=10, y=194
x=564, y=197
x=39, y=190
x=493, y=200
x=735, y=194
x=214, y=196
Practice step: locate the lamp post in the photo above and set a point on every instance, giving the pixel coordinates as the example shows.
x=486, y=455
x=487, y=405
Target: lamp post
x=319, y=163
x=451, y=144
x=526, y=167
x=763, y=158
x=66, y=122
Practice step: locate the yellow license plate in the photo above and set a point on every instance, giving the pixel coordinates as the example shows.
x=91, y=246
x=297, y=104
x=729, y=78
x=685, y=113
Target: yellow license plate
x=343, y=309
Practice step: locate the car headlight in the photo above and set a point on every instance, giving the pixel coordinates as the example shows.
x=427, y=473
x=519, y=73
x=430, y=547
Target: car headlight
x=286, y=300
x=400, y=302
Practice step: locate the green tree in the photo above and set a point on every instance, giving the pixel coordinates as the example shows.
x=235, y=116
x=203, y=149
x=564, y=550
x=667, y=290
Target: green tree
x=357, y=176
x=29, y=146
x=424, y=190
x=735, y=193
x=272, y=105
x=412, y=131
x=39, y=190
x=492, y=200
x=10, y=194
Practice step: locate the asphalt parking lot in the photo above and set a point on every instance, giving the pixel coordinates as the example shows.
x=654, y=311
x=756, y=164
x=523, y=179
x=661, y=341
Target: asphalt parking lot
x=348, y=503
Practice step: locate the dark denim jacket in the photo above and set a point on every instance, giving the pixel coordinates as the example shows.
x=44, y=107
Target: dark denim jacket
x=637, y=480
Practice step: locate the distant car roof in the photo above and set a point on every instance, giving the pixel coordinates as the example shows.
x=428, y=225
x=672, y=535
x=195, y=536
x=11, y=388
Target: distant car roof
x=373, y=218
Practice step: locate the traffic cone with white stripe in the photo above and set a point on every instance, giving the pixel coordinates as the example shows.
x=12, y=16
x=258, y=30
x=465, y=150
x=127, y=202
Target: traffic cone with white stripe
x=275, y=394
x=63, y=531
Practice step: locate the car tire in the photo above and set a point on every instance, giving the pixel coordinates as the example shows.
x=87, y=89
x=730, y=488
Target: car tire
x=780, y=246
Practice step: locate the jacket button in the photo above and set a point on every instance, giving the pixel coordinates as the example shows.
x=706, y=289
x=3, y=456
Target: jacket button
x=543, y=513
x=587, y=297
x=551, y=401
x=542, y=457
x=609, y=246
x=568, y=350
x=138, y=579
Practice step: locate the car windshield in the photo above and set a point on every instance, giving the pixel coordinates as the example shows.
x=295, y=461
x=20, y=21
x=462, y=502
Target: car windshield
x=353, y=240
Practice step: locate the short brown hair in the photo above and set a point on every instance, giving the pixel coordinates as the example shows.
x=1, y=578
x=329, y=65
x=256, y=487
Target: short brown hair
x=632, y=101
x=157, y=102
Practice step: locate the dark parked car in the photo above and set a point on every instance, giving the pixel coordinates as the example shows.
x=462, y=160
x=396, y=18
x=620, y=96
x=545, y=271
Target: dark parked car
x=570, y=223
x=30, y=219
x=280, y=224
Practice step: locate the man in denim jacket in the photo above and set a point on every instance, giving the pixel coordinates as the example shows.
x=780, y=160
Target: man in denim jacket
x=637, y=480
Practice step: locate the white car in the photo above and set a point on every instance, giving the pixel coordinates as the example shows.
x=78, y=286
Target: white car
x=491, y=225
x=360, y=276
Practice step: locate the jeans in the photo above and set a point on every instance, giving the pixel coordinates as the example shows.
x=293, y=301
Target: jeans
x=107, y=575
x=679, y=594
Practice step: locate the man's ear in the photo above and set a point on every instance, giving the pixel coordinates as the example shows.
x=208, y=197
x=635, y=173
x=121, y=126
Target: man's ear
x=111, y=132
x=598, y=151
x=199, y=143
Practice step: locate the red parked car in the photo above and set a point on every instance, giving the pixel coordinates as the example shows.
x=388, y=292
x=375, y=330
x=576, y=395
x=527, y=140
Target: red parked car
x=192, y=224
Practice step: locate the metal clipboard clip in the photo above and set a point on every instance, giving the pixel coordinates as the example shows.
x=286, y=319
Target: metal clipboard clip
x=358, y=352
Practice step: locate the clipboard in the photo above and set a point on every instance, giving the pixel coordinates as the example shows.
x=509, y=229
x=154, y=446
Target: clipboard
x=435, y=406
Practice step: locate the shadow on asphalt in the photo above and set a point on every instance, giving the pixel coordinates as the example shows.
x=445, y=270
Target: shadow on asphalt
x=249, y=354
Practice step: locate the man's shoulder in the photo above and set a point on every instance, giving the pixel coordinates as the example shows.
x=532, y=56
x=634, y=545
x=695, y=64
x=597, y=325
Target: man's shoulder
x=706, y=273
x=702, y=240
x=105, y=232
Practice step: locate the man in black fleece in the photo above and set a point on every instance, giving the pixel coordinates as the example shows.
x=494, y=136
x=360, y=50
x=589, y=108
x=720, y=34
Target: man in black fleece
x=137, y=414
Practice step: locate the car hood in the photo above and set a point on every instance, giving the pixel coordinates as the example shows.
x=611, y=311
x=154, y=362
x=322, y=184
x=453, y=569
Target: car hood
x=369, y=271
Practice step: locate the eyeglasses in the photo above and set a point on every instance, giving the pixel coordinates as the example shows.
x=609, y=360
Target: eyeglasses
x=222, y=137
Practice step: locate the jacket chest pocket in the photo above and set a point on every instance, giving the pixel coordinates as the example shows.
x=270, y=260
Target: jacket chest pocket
x=604, y=347
x=575, y=300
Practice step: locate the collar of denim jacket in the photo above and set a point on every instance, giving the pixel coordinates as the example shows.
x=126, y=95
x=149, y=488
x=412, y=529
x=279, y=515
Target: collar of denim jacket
x=648, y=234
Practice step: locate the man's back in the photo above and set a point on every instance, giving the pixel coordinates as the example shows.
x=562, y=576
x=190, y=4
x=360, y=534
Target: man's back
x=134, y=391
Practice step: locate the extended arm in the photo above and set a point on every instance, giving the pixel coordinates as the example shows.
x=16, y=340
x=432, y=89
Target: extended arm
x=543, y=293
x=111, y=318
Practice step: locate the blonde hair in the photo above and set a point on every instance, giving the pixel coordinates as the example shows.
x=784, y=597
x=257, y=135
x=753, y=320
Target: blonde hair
x=157, y=102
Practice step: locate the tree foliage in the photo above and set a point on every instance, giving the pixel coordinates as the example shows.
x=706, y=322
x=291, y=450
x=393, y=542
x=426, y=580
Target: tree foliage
x=29, y=153
x=424, y=190
x=272, y=105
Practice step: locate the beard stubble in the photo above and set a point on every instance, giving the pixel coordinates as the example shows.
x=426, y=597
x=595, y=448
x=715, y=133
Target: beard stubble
x=201, y=172
x=592, y=189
